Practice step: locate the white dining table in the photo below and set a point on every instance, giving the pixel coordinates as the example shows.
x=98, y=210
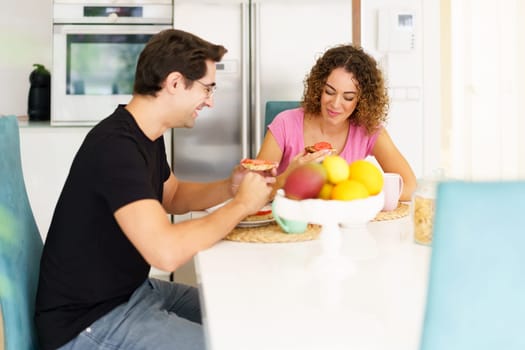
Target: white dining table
x=271, y=296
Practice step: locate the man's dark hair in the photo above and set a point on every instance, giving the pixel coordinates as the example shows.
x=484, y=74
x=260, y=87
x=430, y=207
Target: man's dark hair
x=170, y=51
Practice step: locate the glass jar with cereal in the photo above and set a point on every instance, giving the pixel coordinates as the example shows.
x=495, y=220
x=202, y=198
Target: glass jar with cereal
x=423, y=210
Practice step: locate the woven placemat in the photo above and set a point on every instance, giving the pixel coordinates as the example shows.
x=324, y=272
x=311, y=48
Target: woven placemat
x=401, y=211
x=271, y=233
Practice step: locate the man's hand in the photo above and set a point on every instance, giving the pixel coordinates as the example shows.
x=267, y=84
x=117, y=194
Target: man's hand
x=254, y=191
x=239, y=172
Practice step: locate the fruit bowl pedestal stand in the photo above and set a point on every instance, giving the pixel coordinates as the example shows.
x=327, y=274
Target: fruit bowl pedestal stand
x=337, y=218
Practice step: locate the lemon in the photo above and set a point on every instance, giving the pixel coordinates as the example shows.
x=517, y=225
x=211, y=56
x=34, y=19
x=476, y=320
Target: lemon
x=348, y=190
x=368, y=174
x=336, y=168
x=326, y=191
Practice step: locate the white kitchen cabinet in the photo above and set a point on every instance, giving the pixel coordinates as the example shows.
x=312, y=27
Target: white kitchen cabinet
x=47, y=153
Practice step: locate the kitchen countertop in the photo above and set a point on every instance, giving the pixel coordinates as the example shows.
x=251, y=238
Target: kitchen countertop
x=24, y=122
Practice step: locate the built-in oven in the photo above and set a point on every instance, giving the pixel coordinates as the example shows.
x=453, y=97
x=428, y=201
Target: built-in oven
x=96, y=45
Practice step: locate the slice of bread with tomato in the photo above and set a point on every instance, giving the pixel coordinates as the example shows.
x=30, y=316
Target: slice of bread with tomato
x=258, y=164
x=319, y=146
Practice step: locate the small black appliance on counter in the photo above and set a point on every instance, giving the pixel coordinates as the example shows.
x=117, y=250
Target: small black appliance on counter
x=39, y=101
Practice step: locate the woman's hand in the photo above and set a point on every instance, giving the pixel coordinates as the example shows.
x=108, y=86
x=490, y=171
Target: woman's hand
x=305, y=157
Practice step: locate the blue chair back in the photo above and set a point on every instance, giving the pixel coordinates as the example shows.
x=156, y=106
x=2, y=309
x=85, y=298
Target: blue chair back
x=275, y=107
x=476, y=290
x=20, y=245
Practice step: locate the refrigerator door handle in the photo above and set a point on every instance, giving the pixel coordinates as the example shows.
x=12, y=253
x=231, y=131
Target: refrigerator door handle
x=245, y=76
x=256, y=80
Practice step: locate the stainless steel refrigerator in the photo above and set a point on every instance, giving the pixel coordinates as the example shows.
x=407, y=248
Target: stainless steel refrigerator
x=272, y=45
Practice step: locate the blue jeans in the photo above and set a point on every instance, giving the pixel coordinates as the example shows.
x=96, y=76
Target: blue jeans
x=159, y=315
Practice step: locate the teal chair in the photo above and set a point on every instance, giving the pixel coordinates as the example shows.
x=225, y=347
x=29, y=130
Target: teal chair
x=20, y=245
x=476, y=290
x=275, y=107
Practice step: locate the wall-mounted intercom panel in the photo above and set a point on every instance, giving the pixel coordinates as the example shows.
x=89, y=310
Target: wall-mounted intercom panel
x=396, y=30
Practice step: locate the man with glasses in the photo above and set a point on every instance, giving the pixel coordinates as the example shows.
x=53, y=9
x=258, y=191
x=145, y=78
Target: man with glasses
x=209, y=88
x=111, y=225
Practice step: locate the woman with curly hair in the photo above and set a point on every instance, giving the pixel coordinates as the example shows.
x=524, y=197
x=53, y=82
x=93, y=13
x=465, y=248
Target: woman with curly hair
x=345, y=103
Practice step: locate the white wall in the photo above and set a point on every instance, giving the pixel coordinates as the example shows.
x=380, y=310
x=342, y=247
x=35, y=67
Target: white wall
x=487, y=120
x=413, y=78
x=25, y=39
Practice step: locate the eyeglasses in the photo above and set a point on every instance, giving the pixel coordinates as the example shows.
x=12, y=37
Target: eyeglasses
x=209, y=88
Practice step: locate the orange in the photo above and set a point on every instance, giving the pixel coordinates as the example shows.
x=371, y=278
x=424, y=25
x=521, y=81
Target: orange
x=368, y=174
x=326, y=191
x=348, y=190
x=336, y=168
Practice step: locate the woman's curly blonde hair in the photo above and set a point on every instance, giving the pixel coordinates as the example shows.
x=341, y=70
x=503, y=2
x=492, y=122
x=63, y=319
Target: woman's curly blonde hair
x=373, y=103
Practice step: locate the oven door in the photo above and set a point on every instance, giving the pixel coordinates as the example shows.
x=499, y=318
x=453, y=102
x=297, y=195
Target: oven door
x=94, y=69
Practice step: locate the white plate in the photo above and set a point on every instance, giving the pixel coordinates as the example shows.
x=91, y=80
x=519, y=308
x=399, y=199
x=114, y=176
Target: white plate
x=255, y=223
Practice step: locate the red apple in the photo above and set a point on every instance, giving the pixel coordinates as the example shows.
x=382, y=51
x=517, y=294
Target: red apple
x=305, y=181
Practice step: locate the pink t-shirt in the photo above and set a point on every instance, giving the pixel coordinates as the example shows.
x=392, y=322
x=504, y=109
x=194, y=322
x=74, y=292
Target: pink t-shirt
x=287, y=128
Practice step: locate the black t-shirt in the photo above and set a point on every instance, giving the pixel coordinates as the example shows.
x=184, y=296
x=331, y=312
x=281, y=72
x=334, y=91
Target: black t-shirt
x=88, y=266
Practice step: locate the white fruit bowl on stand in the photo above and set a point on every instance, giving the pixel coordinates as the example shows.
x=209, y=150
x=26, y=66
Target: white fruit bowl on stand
x=344, y=234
